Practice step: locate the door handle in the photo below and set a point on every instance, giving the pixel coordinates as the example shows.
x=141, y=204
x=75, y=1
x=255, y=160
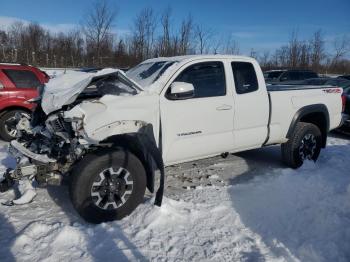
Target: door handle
x=224, y=107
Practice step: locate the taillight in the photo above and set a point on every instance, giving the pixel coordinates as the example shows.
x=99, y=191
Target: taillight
x=343, y=99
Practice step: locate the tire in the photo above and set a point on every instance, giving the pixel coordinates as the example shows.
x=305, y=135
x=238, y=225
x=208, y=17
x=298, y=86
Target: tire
x=8, y=133
x=87, y=185
x=304, y=143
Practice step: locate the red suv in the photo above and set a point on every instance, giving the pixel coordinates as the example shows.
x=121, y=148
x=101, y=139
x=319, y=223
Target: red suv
x=18, y=84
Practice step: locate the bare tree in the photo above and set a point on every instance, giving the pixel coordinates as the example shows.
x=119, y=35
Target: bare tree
x=153, y=36
x=264, y=59
x=185, y=35
x=341, y=47
x=97, y=25
x=304, y=59
x=230, y=46
x=165, y=45
x=3, y=44
x=203, y=36
x=317, y=45
x=143, y=33
x=294, y=50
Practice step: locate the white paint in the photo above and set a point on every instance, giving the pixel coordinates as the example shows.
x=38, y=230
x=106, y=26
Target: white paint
x=193, y=128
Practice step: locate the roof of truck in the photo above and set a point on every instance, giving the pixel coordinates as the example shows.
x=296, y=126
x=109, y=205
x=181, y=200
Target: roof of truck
x=187, y=58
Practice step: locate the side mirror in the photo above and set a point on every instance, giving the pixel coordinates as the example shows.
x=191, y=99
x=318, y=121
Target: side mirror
x=181, y=90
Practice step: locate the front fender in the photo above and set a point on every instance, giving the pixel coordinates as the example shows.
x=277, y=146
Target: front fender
x=143, y=145
x=117, y=128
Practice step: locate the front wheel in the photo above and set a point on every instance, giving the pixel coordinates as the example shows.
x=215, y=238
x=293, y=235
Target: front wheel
x=107, y=185
x=304, y=144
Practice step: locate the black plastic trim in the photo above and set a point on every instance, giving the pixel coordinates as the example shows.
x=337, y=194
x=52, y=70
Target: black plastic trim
x=306, y=110
x=269, y=121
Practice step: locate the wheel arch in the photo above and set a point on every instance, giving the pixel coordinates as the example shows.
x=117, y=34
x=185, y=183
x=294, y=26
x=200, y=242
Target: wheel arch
x=316, y=114
x=143, y=146
x=11, y=108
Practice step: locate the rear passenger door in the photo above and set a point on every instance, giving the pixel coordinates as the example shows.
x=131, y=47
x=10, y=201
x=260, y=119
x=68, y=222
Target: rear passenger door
x=25, y=81
x=251, y=105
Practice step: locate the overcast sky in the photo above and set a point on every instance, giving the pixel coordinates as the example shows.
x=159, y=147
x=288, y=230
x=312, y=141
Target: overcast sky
x=261, y=25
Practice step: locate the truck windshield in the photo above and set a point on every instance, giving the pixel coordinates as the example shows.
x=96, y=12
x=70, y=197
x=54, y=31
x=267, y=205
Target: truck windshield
x=146, y=74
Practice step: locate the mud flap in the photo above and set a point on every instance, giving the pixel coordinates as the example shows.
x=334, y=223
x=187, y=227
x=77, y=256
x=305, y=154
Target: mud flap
x=147, y=140
x=157, y=157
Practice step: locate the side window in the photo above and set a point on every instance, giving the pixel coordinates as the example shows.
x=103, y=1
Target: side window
x=245, y=77
x=295, y=75
x=285, y=77
x=22, y=78
x=307, y=75
x=292, y=76
x=208, y=79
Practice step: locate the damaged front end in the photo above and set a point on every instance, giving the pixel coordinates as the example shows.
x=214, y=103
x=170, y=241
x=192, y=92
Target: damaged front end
x=67, y=124
x=45, y=148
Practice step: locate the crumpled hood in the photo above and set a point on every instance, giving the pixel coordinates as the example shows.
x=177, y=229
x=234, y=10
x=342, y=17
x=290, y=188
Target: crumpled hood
x=112, y=115
x=64, y=89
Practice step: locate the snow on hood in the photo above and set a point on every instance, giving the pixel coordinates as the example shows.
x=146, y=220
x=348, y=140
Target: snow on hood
x=64, y=89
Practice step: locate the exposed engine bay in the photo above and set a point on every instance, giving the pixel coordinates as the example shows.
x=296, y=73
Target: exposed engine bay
x=46, y=147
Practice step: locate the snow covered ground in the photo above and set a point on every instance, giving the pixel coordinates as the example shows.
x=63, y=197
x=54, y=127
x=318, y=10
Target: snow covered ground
x=54, y=72
x=246, y=207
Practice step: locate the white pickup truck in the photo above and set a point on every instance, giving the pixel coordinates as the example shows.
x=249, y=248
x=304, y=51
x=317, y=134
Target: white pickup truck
x=110, y=131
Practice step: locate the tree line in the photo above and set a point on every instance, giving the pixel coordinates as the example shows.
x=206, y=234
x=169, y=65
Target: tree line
x=95, y=44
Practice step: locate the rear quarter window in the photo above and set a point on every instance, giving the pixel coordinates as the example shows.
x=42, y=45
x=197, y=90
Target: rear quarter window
x=22, y=78
x=245, y=77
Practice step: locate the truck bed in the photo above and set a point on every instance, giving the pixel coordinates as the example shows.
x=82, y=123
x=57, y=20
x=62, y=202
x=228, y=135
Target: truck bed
x=285, y=105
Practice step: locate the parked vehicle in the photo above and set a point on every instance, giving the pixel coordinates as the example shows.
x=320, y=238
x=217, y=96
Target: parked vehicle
x=345, y=77
x=90, y=69
x=346, y=102
x=278, y=76
x=339, y=82
x=109, y=131
x=18, y=84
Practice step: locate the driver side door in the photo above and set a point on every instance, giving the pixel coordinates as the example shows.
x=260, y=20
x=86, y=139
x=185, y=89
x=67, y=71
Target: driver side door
x=200, y=126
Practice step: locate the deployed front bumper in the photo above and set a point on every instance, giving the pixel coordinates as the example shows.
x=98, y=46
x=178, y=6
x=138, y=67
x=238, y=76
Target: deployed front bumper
x=16, y=147
x=29, y=164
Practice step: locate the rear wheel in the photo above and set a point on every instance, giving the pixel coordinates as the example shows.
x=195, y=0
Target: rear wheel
x=304, y=144
x=8, y=123
x=107, y=185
